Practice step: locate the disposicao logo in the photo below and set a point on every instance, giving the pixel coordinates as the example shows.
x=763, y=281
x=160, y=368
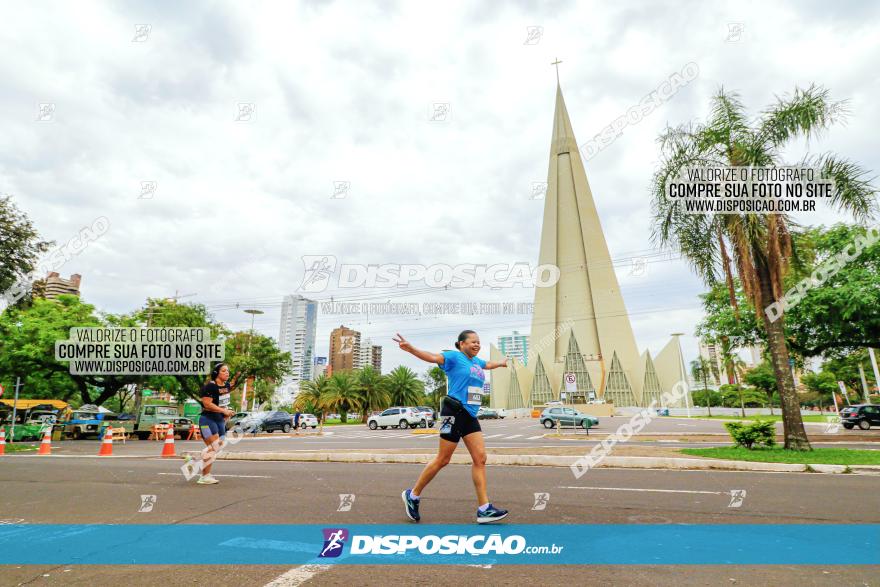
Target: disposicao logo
x=334, y=541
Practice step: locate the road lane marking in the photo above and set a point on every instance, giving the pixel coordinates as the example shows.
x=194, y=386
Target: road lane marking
x=240, y=476
x=297, y=576
x=534, y=437
x=493, y=436
x=514, y=436
x=644, y=489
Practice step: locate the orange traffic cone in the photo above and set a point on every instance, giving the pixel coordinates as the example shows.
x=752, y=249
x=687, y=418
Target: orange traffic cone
x=168, y=447
x=106, y=444
x=46, y=445
x=2, y=440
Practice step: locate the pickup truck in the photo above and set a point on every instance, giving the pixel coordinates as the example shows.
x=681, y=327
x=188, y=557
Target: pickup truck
x=149, y=416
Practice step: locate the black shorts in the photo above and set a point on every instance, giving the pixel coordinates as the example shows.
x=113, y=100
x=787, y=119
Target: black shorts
x=463, y=424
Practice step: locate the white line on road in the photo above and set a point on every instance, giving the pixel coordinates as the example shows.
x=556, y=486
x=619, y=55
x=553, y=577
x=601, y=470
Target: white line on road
x=493, y=436
x=297, y=575
x=241, y=476
x=534, y=437
x=642, y=489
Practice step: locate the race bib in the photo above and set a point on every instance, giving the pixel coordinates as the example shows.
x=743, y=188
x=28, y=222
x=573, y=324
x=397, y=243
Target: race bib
x=224, y=400
x=474, y=396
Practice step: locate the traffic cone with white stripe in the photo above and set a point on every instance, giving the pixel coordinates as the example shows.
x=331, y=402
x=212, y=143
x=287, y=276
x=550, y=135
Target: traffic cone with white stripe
x=106, y=444
x=2, y=440
x=168, y=447
x=46, y=445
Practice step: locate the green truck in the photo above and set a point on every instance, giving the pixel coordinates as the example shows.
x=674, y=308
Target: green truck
x=149, y=416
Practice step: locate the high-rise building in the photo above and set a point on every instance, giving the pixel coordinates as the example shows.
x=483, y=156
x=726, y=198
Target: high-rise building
x=581, y=339
x=515, y=346
x=345, y=349
x=299, y=318
x=365, y=356
x=376, y=358
x=53, y=285
x=320, y=367
x=717, y=371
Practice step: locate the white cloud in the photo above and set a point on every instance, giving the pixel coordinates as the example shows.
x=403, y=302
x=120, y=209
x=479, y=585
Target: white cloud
x=342, y=92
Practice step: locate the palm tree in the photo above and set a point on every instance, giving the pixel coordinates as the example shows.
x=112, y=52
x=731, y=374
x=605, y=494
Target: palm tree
x=342, y=394
x=311, y=397
x=404, y=387
x=371, y=391
x=758, y=245
x=700, y=369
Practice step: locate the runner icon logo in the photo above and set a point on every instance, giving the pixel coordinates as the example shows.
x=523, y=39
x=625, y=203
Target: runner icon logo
x=346, y=500
x=541, y=500
x=446, y=426
x=334, y=541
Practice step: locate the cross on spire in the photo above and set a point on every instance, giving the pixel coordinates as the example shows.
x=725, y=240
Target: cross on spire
x=556, y=63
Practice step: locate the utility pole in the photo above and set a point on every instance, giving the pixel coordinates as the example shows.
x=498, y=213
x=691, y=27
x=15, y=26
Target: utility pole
x=253, y=312
x=687, y=390
x=876, y=371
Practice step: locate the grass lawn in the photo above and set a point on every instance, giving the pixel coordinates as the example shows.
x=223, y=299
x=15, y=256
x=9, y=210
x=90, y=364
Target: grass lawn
x=20, y=448
x=774, y=418
x=818, y=456
x=336, y=422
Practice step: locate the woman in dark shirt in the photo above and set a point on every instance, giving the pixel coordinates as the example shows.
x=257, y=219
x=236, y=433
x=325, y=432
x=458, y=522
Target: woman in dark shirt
x=212, y=422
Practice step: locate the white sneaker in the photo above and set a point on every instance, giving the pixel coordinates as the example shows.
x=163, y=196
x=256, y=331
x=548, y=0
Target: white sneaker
x=207, y=480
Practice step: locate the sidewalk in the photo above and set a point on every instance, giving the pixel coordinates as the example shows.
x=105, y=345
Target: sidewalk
x=623, y=457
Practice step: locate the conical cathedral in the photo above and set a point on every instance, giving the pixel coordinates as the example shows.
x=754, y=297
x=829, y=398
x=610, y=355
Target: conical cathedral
x=580, y=326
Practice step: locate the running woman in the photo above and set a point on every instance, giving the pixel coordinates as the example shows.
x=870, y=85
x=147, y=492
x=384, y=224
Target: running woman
x=458, y=416
x=212, y=422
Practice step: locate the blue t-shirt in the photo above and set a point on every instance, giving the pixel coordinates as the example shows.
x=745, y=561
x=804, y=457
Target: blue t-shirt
x=466, y=378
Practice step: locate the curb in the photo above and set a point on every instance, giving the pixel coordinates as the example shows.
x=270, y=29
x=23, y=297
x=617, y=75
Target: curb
x=556, y=461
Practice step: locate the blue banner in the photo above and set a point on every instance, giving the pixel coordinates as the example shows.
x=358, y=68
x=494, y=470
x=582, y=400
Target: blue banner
x=596, y=544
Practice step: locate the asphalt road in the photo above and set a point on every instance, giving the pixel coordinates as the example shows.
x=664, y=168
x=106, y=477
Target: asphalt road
x=36, y=490
x=672, y=432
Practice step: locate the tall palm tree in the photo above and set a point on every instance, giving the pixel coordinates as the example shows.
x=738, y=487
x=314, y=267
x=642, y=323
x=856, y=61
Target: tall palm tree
x=759, y=246
x=404, y=387
x=311, y=397
x=700, y=371
x=342, y=394
x=371, y=391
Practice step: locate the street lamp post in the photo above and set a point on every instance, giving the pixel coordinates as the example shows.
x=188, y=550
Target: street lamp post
x=253, y=314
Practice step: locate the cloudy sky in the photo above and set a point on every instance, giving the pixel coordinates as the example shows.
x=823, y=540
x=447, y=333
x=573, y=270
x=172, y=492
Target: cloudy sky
x=100, y=99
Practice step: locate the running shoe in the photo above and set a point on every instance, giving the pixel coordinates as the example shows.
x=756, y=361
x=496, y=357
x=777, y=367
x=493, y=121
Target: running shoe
x=412, y=506
x=490, y=514
x=207, y=480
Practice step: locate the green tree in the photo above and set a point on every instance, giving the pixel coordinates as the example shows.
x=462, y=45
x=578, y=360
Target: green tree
x=822, y=384
x=843, y=315
x=701, y=370
x=20, y=245
x=760, y=245
x=763, y=377
x=27, y=350
x=435, y=387
x=310, y=398
x=342, y=394
x=371, y=391
x=404, y=387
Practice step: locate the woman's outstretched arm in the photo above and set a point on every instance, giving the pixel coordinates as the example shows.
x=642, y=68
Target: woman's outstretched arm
x=423, y=355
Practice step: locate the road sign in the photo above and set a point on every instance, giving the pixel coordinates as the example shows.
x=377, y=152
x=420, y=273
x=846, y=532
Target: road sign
x=147, y=392
x=570, y=382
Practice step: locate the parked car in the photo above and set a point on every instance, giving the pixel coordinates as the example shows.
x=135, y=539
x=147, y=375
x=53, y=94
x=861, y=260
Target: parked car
x=429, y=409
x=41, y=418
x=488, y=414
x=567, y=417
x=236, y=419
x=182, y=427
x=308, y=421
x=428, y=414
x=273, y=421
x=396, y=418
x=862, y=415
